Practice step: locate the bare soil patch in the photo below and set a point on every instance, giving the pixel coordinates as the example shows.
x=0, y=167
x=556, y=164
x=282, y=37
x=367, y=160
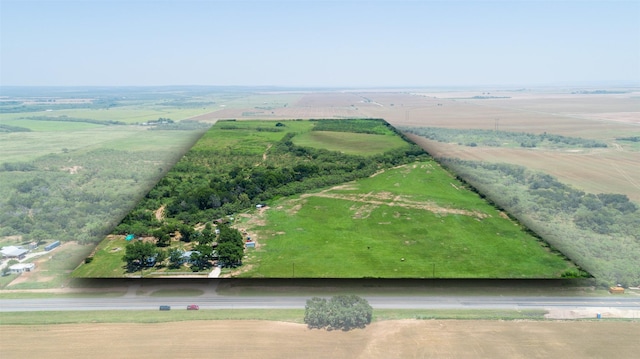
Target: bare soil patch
x=72, y=170
x=590, y=313
x=160, y=213
x=265, y=339
x=385, y=198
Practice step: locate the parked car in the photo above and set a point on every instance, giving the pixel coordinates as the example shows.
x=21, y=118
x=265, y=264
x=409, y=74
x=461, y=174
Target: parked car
x=192, y=307
x=165, y=307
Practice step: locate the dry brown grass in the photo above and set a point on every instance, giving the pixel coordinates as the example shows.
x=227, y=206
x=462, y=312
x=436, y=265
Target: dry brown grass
x=266, y=339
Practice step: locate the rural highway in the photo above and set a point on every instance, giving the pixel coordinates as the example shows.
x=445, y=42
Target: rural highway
x=288, y=302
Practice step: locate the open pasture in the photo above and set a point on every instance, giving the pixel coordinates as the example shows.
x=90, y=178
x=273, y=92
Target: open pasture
x=351, y=143
x=107, y=259
x=126, y=114
x=414, y=221
x=139, y=115
x=28, y=146
x=244, y=137
x=50, y=126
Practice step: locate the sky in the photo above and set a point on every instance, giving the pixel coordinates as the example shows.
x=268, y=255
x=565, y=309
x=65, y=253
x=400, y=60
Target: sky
x=318, y=43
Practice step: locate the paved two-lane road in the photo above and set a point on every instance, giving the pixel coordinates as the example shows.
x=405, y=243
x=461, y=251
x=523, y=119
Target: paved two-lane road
x=287, y=302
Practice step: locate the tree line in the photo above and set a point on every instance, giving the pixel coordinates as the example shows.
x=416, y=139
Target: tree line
x=600, y=232
x=496, y=138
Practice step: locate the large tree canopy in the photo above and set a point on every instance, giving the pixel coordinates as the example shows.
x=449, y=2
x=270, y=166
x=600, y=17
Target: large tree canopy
x=343, y=312
x=138, y=254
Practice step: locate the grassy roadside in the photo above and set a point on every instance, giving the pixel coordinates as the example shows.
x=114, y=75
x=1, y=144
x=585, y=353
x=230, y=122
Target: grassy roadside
x=387, y=287
x=284, y=315
x=44, y=295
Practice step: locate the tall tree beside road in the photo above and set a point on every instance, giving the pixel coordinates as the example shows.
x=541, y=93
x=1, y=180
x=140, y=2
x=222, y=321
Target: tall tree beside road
x=344, y=312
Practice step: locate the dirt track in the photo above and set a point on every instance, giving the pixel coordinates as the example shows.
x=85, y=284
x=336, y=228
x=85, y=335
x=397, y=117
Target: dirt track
x=265, y=339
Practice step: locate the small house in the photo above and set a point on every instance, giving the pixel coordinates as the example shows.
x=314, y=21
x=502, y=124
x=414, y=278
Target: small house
x=186, y=256
x=22, y=267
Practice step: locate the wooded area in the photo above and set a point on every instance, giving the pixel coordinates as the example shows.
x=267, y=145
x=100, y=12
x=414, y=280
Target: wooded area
x=214, y=181
x=600, y=232
x=498, y=138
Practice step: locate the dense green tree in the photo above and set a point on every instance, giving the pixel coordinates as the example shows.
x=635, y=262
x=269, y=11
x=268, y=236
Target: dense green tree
x=315, y=313
x=161, y=256
x=162, y=238
x=229, y=255
x=175, y=258
x=138, y=254
x=344, y=312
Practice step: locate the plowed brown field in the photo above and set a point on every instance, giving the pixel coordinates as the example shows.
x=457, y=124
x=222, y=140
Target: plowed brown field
x=266, y=339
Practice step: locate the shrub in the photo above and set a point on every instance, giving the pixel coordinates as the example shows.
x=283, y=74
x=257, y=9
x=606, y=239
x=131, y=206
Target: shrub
x=343, y=312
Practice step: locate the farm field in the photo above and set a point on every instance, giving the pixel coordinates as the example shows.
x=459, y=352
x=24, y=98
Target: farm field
x=383, y=339
x=581, y=168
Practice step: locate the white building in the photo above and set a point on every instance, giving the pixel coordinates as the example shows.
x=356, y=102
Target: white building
x=13, y=252
x=22, y=267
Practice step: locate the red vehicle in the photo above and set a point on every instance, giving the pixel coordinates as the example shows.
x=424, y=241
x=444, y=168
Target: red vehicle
x=192, y=307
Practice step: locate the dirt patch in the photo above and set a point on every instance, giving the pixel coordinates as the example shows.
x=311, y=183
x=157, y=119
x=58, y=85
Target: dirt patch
x=160, y=213
x=294, y=208
x=237, y=272
x=399, y=201
x=362, y=211
x=503, y=215
x=592, y=313
x=72, y=170
x=265, y=339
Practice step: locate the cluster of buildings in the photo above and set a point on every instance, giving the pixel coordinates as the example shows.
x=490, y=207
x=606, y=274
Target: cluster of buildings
x=19, y=253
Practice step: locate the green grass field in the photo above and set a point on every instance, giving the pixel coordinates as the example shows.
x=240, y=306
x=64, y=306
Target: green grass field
x=351, y=143
x=409, y=222
x=127, y=114
x=28, y=146
x=107, y=260
x=241, y=136
x=412, y=221
x=50, y=126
